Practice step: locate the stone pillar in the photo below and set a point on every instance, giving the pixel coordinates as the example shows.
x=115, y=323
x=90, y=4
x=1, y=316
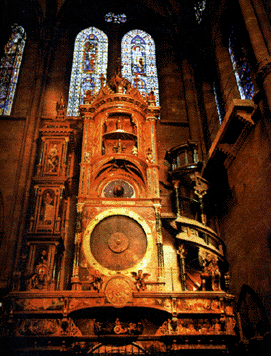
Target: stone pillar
x=228, y=84
x=211, y=113
x=160, y=251
x=75, y=280
x=193, y=114
x=263, y=22
x=259, y=48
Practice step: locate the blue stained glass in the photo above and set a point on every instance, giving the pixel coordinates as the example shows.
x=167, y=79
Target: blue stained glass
x=218, y=101
x=89, y=62
x=115, y=18
x=199, y=8
x=9, y=68
x=240, y=67
x=138, y=60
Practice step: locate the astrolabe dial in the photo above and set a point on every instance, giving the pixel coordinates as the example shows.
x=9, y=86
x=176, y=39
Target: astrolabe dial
x=118, y=242
x=118, y=189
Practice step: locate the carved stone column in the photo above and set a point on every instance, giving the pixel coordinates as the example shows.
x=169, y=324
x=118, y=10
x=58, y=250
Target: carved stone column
x=259, y=47
x=263, y=22
x=228, y=84
x=177, y=199
x=192, y=104
x=160, y=252
x=77, y=245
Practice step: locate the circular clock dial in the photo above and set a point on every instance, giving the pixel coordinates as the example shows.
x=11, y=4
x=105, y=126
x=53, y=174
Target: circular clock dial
x=118, y=189
x=118, y=242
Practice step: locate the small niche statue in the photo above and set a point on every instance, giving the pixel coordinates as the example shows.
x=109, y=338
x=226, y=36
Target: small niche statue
x=40, y=278
x=60, y=107
x=151, y=98
x=210, y=275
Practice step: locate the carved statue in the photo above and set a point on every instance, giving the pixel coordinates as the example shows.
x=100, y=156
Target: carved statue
x=182, y=253
x=120, y=84
x=60, y=105
x=102, y=79
x=40, y=278
x=53, y=159
x=133, y=125
x=119, y=124
x=200, y=189
x=96, y=280
x=210, y=270
x=151, y=97
x=88, y=95
x=140, y=279
x=118, y=147
x=149, y=155
x=134, y=150
x=47, y=211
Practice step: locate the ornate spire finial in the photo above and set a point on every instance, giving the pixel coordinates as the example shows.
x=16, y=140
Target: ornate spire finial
x=102, y=79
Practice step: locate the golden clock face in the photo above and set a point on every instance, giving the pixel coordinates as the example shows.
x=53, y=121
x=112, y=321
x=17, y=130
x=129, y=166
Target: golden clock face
x=118, y=242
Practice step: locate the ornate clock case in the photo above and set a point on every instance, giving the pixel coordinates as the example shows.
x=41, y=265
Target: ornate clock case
x=118, y=203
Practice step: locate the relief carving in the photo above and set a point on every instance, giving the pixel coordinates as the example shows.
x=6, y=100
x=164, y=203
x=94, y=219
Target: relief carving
x=39, y=304
x=52, y=162
x=47, y=210
x=118, y=328
x=69, y=328
x=118, y=291
x=31, y=327
x=190, y=326
x=81, y=303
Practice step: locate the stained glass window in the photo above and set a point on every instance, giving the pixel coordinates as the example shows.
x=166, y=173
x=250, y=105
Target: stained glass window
x=138, y=60
x=240, y=67
x=89, y=62
x=115, y=18
x=218, y=100
x=9, y=68
x=199, y=8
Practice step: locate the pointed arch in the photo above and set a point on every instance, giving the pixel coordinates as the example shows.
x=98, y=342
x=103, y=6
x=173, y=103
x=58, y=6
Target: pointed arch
x=10, y=66
x=89, y=62
x=138, y=58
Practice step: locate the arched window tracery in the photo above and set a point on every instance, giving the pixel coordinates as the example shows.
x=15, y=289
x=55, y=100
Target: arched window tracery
x=9, y=68
x=89, y=62
x=138, y=59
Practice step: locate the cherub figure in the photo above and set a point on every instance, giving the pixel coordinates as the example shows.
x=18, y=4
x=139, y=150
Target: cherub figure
x=140, y=279
x=96, y=280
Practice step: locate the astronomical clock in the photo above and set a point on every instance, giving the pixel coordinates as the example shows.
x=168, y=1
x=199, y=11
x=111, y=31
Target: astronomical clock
x=121, y=277
x=118, y=209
